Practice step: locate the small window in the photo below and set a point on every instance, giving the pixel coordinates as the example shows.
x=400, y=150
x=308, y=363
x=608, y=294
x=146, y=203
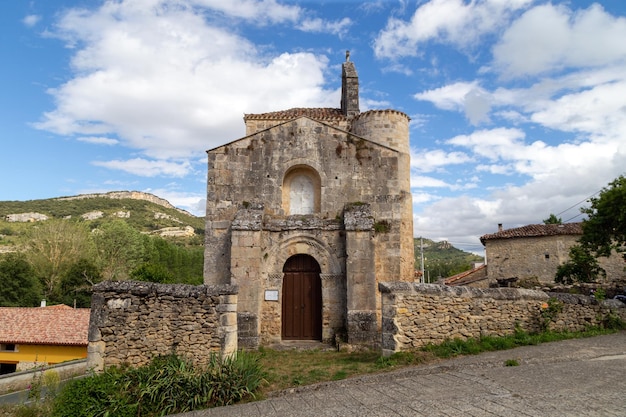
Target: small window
x=547, y=255
x=8, y=347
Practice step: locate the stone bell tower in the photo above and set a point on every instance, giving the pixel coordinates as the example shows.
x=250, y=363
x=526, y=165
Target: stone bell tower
x=349, y=89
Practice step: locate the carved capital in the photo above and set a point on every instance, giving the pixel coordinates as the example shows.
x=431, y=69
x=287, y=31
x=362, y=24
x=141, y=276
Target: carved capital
x=331, y=277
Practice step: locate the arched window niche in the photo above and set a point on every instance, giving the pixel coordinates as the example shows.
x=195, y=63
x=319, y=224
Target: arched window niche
x=301, y=191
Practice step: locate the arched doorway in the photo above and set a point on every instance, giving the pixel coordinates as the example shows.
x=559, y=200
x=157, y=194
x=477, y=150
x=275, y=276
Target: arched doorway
x=302, y=299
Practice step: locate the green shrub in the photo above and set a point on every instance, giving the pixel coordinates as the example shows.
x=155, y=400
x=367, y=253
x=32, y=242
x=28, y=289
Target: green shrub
x=94, y=396
x=234, y=378
x=549, y=311
x=168, y=385
x=613, y=322
x=599, y=294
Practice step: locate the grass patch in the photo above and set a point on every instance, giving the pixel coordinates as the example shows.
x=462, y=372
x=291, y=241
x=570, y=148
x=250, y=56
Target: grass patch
x=471, y=346
x=511, y=362
x=289, y=368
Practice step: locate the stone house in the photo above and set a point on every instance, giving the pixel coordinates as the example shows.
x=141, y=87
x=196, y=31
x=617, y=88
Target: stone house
x=537, y=250
x=306, y=214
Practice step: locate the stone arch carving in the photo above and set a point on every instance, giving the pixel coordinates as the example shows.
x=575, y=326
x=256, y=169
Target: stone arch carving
x=301, y=191
x=303, y=244
x=332, y=276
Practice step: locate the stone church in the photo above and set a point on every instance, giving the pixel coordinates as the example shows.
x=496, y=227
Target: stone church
x=306, y=214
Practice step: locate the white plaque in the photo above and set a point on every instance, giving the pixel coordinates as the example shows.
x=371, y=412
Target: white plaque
x=271, y=295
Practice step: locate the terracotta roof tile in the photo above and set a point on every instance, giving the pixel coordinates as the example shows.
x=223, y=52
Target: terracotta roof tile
x=320, y=113
x=365, y=113
x=54, y=325
x=534, y=230
x=454, y=279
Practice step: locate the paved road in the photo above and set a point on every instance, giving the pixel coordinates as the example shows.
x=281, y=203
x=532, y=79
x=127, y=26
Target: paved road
x=583, y=377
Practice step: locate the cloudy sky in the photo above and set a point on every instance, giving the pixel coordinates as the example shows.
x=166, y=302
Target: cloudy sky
x=518, y=107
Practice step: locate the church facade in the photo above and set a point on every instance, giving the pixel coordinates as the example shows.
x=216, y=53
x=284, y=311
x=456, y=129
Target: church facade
x=306, y=214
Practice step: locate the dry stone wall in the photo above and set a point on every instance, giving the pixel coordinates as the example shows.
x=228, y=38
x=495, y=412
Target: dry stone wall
x=133, y=322
x=415, y=315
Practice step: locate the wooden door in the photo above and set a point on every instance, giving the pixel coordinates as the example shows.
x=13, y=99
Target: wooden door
x=302, y=299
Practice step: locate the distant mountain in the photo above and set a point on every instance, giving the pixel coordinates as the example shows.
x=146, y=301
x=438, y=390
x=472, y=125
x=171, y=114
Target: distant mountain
x=143, y=211
x=56, y=249
x=442, y=260
x=122, y=195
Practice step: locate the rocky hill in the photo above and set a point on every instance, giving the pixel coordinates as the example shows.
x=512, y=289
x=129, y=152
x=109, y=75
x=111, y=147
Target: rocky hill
x=442, y=259
x=146, y=212
x=122, y=195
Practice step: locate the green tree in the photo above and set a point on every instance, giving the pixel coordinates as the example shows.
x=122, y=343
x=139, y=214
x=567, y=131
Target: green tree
x=604, y=231
x=55, y=245
x=119, y=249
x=582, y=266
x=605, y=227
x=76, y=283
x=553, y=220
x=153, y=273
x=19, y=286
x=184, y=264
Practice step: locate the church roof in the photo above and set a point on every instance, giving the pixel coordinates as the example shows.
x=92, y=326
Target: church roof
x=535, y=230
x=316, y=113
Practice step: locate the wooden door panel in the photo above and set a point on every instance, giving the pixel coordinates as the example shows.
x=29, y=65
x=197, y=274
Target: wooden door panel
x=302, y=301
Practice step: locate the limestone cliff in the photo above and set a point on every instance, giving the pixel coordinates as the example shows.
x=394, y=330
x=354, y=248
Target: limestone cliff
x=135, y=195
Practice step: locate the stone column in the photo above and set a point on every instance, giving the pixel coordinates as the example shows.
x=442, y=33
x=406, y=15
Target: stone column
x=362, y=323
x=245, y=272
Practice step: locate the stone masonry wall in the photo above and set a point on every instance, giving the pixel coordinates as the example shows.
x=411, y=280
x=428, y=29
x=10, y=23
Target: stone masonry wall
x=132, y=322
x=415, y=315
x=528, y=257
x=540, y=257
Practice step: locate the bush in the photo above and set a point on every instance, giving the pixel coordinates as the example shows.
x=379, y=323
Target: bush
x=168, y=385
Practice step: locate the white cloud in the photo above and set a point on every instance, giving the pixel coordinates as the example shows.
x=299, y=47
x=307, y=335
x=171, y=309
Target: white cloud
x=600, y=111
x=254, y=11
x=477, y=106
x=31, y=20
x=147, y=168
x=560, y=176
x=98, y=140
x=420, y=197
x=423, y=160
x=495, y=144
x=169, y=84
x=468, y=97
x=448, y=97
x=453, y=22
x=317, y=25
x=553, y=37
x=421, y=181
x=590, y=102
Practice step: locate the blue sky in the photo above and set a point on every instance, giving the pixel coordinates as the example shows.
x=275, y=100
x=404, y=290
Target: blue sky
x=518, y=107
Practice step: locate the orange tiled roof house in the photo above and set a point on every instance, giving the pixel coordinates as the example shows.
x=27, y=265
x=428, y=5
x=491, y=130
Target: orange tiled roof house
x=32, y=337
x=535, y=251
